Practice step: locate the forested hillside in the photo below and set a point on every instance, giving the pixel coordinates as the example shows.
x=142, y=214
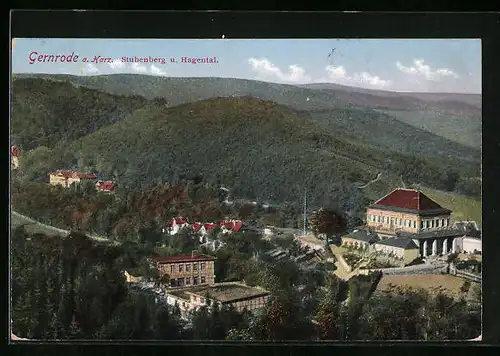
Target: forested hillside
x=48, y=112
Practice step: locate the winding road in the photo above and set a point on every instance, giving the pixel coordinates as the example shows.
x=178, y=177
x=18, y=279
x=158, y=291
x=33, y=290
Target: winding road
x=379, y=175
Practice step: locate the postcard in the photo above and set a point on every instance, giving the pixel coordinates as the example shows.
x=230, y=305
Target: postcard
x=253, y=190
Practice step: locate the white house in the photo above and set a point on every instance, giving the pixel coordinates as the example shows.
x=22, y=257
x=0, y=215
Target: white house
x=176, y=224
x=468, y=244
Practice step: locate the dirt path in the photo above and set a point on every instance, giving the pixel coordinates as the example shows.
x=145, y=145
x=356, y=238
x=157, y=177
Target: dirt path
x=379, y=175
x=19, y=219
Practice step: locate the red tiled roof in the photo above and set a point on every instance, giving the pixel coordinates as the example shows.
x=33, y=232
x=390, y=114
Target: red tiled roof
x=237, y=226
x=184, y=258
x=178, y=221
x=72, y=174
x=210, y=226
x=234, y=225
x=106, y=185
x=16, y=151
x=197, y=227
x=408, y=199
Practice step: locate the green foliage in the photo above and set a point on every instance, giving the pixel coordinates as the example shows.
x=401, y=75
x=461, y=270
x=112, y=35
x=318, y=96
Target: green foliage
x=46, y=112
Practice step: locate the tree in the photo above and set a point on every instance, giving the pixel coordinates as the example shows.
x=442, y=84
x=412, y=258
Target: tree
x=327, y=221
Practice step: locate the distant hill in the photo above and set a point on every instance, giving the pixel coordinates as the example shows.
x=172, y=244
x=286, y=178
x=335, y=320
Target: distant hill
x=470, y=99
x=46, y=112
x=439, y=111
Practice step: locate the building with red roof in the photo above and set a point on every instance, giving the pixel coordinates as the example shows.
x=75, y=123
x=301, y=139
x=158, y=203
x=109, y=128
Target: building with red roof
x=15, y=152
x=229, y=226
x=66, y=178
x=406, y=210
x=186, y=270
x=177, y=224
x=105, y=186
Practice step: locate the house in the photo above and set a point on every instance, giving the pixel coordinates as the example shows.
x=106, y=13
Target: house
x=105, y=186
x=186, y=270
x=411, y=214
x=406, y=210
x=131, y=279
x=467, y=244
x=206, y=228
x=228, y=226
x=235, y=294
x=177, y=224
x=15, y=152
x=311, y=242
x=66, y=178
x=399, y=247
x=360, y=238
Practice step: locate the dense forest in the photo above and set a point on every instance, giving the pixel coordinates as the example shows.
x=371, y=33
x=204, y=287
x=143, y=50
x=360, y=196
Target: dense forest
x=74, y=288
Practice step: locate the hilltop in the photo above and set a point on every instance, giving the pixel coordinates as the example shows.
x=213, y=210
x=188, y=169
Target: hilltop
x=47, y=112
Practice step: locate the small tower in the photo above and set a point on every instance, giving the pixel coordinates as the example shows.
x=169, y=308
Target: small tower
x=15, y=153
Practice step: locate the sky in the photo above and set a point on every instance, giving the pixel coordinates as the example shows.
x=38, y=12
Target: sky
x=426, y=65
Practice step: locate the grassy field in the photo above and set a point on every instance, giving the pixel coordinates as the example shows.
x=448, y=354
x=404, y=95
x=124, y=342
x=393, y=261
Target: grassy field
x=426, y=281
x=463, y=207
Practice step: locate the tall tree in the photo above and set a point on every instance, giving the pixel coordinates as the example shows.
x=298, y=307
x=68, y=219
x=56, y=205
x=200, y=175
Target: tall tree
x=330, y=222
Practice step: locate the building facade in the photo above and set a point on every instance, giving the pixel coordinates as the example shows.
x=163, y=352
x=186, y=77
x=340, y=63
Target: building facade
x=406, y=210
x=15, y=152
x=183, y=271
x=237, y=295
x=402, y=248
x=66, y=178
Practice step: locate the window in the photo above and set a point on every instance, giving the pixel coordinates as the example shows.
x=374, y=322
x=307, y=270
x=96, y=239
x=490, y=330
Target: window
x=432, y=223
x=195, y=280
x=202, y=279
x=195, y=266
x=188, y=267
x=171, y=268
x=415, y=224
x=188, y=281
x=180, y=267
x=180, y=282
x=202, y=266
x=442, y=222
x=421, y=224
x=427, y=224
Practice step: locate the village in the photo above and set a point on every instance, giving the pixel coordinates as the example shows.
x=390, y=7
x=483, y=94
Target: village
x=405, y=233
x=406, y=236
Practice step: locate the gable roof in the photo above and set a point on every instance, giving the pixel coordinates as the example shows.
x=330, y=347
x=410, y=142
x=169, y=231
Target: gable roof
x=400, y=242
x=183, y=258
x=409, y=200
x=73, y=174
x=177, y=221
x=15, y=151
x=363, y=235
x=105, y=185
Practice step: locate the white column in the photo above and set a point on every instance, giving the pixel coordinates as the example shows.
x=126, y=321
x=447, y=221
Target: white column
x=424, y=252
x=454, y=245
x=434, y=247
x=445, y=246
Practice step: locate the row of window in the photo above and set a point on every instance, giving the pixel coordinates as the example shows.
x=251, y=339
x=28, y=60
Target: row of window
x=392, y=221
x=181, y=282
x=426, y=224
x=188, y=267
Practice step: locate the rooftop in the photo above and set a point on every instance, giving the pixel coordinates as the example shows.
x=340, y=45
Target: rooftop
x=184, y=258
x=227, y=293
x=401, y=242
x=73, y=174
x=180, y=294
x=409, y=200
x=436, y=232
x=363, y=235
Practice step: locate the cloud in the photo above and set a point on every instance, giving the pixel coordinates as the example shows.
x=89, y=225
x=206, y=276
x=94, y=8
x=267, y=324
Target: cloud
x=136, y=67
x=117, y=64
x=267, y=70
x=90, y=69
x=157, y=71
x=339, y=75
x=420, y=69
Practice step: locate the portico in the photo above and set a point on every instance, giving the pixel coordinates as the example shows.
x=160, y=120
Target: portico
x=441, y=242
